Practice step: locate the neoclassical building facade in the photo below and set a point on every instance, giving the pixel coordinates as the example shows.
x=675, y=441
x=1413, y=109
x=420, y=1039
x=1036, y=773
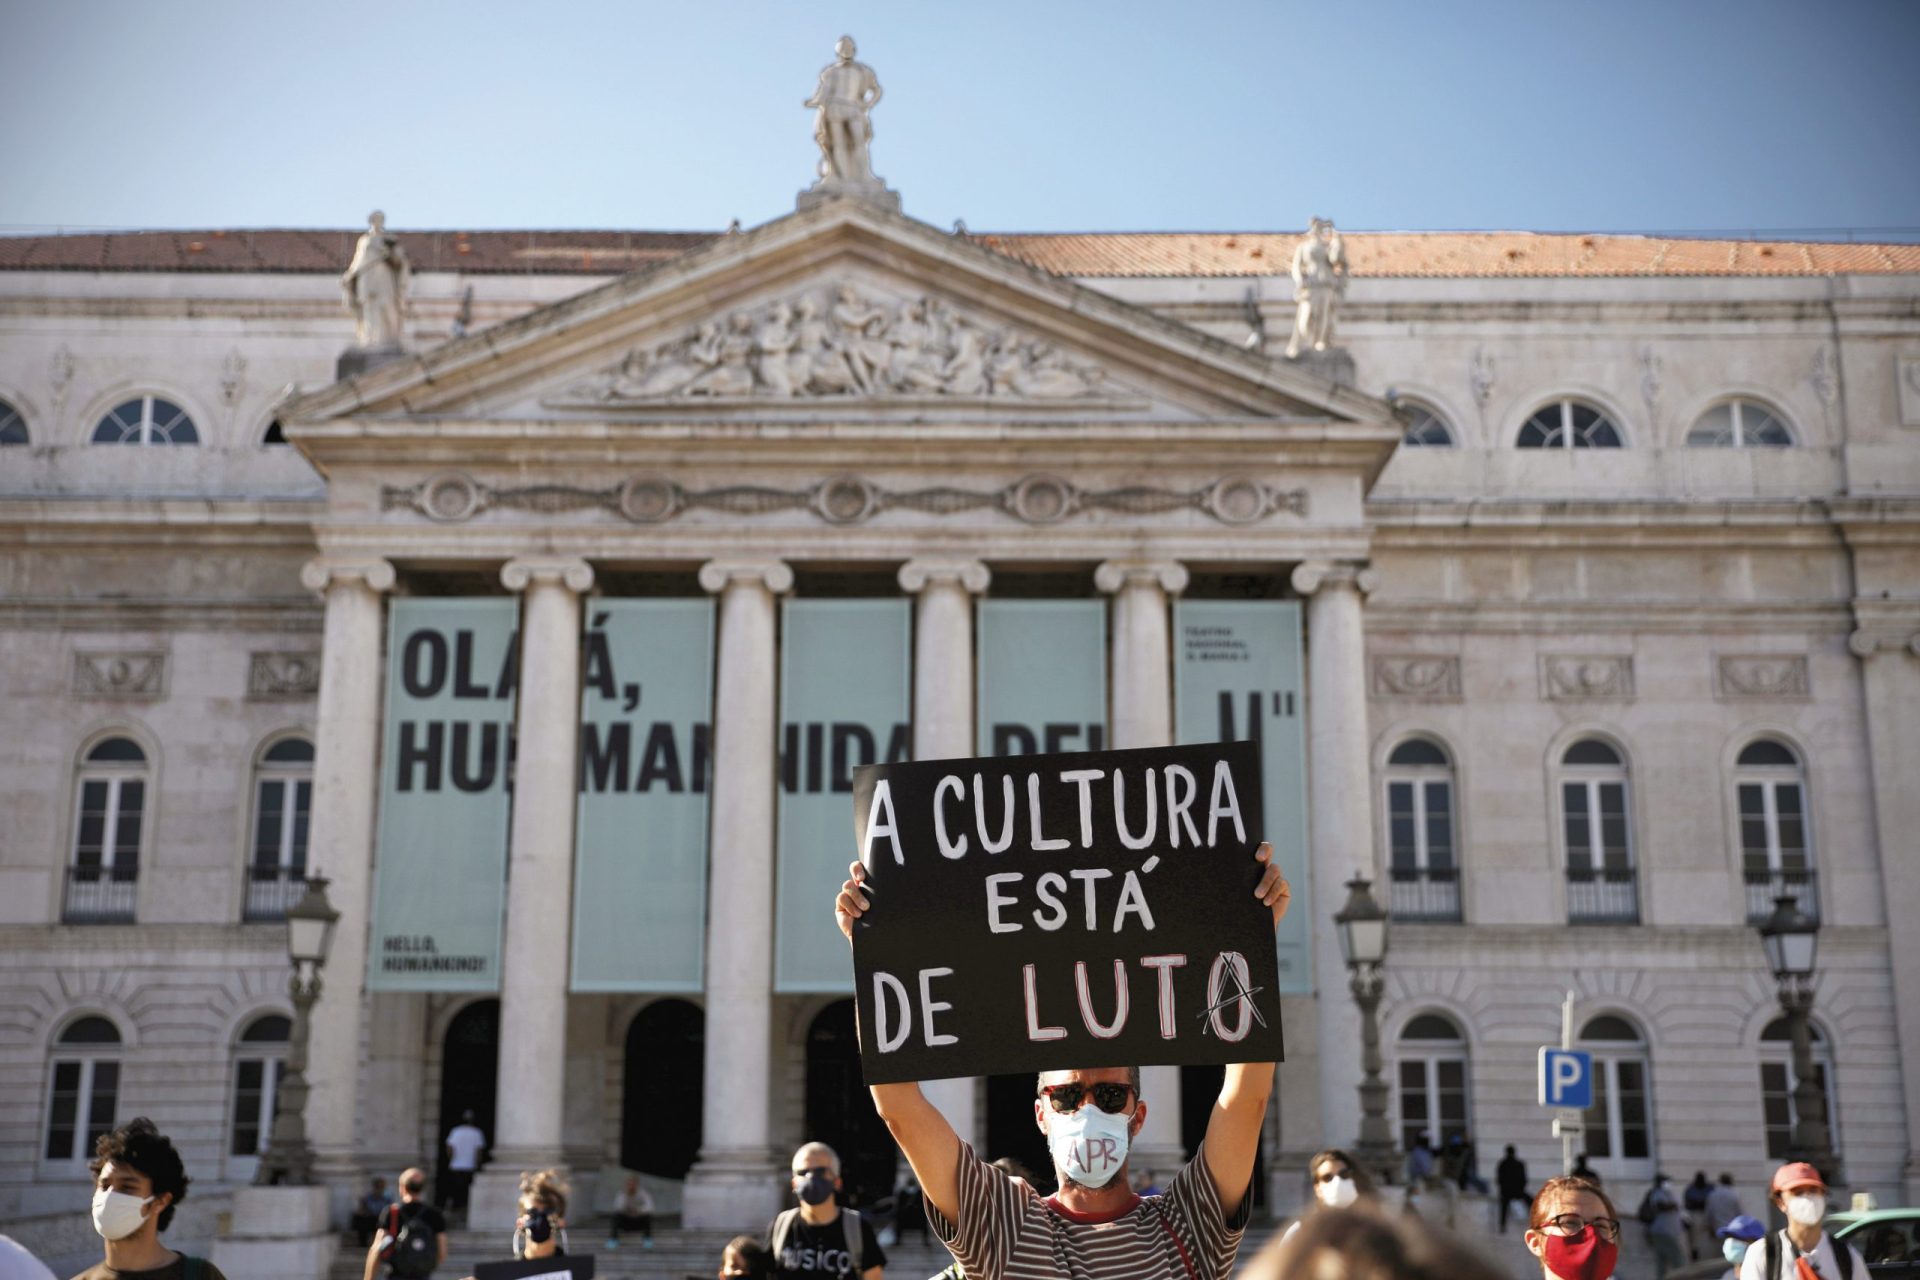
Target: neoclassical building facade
x=1575, y=596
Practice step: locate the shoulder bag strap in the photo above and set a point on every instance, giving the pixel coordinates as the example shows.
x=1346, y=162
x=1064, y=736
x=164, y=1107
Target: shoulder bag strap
x=1174, y=1236
x=856, y=1238
x=782, y=1232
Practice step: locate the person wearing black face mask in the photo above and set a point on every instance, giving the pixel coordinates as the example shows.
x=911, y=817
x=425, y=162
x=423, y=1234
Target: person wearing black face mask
x=819, y=1238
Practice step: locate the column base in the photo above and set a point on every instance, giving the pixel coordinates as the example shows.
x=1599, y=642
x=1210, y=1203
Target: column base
x=493, y=1201
x=734, y=1191
x=280, y=1233
x=345, y=1178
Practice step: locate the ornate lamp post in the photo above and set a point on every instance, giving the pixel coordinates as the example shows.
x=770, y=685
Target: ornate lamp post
x=288, y=1159
x=1790, y=939
x=1361, y=926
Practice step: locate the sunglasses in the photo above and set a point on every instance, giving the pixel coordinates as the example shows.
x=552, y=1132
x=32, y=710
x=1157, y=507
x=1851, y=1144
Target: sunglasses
x=1110, y=1098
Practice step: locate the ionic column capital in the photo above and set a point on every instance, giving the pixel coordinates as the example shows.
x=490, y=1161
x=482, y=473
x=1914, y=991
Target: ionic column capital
x=521, y=572
x=1114, y=575
x=1865, y=643
x=916, y=575
x=775, y=575
x=1309, y=576
x=322, y=572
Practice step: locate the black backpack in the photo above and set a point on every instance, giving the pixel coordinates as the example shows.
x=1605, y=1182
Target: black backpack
x=1842, y=1252
x=1646, y=1211
x=415, y=1250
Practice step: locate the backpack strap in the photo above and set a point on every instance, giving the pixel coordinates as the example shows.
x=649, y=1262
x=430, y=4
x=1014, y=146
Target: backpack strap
x=782, y=1232
x=1842, y=1254
x=856, y=1242
x=1772, y=1255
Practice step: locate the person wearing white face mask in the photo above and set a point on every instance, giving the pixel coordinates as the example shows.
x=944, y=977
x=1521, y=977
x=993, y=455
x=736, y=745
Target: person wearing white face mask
x=1337, y=1182
x=138, y=1179
x=1802, y=1251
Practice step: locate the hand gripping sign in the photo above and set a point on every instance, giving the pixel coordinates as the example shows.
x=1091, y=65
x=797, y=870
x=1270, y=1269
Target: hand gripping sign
x=1038, y=912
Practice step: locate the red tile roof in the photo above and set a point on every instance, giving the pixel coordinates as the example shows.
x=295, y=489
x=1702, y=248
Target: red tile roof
x=1371, y=253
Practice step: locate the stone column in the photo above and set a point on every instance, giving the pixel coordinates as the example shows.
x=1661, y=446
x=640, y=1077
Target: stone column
x=533, y=967
x=1340, y=815
x=1889, y=653
x=943, y=727
x=340, y=847
x=737, y=1183
x=1142, y=711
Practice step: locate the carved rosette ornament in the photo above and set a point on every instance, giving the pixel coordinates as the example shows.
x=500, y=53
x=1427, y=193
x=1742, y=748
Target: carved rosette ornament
x=141, y=676
x=1421, y=677
x=1573, y=678
x=1756, y=677
x=278, y=676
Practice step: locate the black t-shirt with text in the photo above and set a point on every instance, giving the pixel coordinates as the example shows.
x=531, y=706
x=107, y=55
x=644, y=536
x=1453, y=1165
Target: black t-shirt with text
x=822, y=1251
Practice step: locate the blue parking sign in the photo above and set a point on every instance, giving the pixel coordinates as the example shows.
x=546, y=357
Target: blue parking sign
x=1566, y=1079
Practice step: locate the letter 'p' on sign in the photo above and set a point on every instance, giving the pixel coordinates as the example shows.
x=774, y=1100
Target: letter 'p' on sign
x=1566, y=1079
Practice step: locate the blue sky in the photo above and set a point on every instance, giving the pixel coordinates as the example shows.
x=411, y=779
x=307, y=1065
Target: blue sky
x=1540, y=114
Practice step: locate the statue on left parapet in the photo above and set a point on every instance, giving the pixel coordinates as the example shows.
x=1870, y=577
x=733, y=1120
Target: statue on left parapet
x=843, y=128
x=375, y=287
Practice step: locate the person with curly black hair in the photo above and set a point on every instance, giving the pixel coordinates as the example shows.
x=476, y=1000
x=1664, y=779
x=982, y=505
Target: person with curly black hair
x=138, y=1182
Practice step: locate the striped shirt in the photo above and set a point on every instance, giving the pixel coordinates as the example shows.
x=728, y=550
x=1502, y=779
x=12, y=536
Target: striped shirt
x=1007, y=1232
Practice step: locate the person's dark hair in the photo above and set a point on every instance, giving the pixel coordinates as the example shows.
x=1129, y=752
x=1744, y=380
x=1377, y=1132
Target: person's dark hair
x=1565, y=1185
x=1362, y=1180
x=139, y=1145
x=1133, y=1078
x=413, y=1186
x=1362, y=1243
x=1726, y=1179
x=1014, y=1169
x=755, y=1254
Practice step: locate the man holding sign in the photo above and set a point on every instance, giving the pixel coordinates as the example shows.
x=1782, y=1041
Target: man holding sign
x=991, y=899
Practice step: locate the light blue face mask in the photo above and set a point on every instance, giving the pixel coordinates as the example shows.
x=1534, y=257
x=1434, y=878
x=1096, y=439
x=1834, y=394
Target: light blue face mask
x=1735, y=1251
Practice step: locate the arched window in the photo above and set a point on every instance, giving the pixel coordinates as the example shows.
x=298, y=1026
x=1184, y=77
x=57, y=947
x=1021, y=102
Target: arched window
x=1423, y=871
x=83, y=1089
x=274, y=434
x=1740, y=424
x=277, y=862
x=110, y=804
x=1432, y=1070
x=1618, y=1124
x=1597, y=835
x=146, y=420
x=1776, y=1085
x=1569, y=424
x=13, y=427
x=1425, y=427
x=259, y=1060
x=1776, y=853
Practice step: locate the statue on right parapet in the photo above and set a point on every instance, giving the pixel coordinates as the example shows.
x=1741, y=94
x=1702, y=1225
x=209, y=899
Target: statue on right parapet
x=1319, y=278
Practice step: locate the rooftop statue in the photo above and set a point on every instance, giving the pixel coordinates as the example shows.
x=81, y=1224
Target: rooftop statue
x=1319, y=278
x=843, y=128
x=375, y=285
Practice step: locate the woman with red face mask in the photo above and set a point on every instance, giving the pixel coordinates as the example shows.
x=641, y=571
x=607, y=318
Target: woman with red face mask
x=1574, y=1230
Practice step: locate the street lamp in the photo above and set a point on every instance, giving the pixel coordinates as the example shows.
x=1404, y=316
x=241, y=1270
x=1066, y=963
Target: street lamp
x=1790, y=939
x=310, y=923
x=1361, y=926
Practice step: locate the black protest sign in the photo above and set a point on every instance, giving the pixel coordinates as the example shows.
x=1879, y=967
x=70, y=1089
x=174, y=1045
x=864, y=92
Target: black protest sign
x=1078, y=910
x=562, y=1266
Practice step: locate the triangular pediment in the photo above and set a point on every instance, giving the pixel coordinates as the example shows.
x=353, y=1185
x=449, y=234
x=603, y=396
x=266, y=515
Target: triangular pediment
x=849, y=311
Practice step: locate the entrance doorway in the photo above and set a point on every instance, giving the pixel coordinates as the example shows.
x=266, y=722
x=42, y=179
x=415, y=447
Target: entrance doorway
x=840, y=1110
x=660, y=1103
x=1199, y=1090
x=469, y=1076
x=1011, y=1130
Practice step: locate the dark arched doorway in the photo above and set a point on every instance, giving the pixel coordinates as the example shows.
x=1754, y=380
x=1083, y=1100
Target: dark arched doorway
x=1199, y=1090
x=840, y=1110
x=660, y=1103
x=469, y=1074
x=1011, y=1130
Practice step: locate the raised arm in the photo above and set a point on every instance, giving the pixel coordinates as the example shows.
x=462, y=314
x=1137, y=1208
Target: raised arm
x=1233, y=1130
x=932, y=1147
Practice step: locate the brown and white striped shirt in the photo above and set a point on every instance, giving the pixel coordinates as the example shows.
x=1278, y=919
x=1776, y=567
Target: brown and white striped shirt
x=1007, y=1232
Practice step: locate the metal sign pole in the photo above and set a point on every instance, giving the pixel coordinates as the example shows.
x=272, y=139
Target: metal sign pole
x=1566, y=1042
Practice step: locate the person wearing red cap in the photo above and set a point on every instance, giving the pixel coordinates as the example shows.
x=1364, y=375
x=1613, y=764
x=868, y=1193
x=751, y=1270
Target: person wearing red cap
x=1802, y=1251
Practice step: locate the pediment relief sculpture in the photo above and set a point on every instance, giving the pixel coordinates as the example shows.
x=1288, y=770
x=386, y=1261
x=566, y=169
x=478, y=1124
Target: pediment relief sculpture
x=845, y=342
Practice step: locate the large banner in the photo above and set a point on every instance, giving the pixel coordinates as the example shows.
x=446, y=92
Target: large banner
x=640, y=857
x=1043, y=677
x=1237, y=676
x=1038, y=912
x=845, y=702
x=439, y=886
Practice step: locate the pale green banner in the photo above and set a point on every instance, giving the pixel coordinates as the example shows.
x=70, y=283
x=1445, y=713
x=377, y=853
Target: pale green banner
x=1237, y=675
x=844, y=702
x=439, y=885
x=1043, y=677
x=640, y=853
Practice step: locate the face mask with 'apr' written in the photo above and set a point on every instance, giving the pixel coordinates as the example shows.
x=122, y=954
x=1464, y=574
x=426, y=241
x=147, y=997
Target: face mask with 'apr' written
x=1090, y=1145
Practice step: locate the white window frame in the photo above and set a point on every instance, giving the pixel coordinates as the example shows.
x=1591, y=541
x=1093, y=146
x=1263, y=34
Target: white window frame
x=1608, y=1055
x=289, y=776
x=1780, y=1053
x=95, y=771
x=146, y=436
x=1420, y=777
x=272, y=1057
x=1566, y=405
x=1736, y=407
x=1429, y=1054
x=88, y=1057
x=1416, y=408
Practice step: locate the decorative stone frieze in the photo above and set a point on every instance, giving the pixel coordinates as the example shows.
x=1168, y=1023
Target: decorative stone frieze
x=120, y=675
x=1424, y=677
x=277, y=676
x=1760, y=677
x=1577, y=677
x=844, y=499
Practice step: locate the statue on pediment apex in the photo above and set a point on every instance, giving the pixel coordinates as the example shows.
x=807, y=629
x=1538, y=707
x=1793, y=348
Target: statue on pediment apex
x=847, y=92
x=1319, y=279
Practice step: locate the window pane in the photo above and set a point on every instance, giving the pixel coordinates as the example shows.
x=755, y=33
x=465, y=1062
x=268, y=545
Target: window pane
x=1573, y=796
x=1418, y=751
x=1714, y=430
x=126, y=842
x=1439, y=825
x=266, y=835
x=104, y=1098
x=1766, y=751
x=91, y=1031
x=1599, y=1132
x=1776, y=1109
x=290, y=751
x=13, y=428
x=1633, y=1111
x=90, y=837
x=1400, y=824
x=1542, y=430
x=247, y=1087
x=62, y=1106
x=118, y=751
x=1591, y=751
x=302, y=802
